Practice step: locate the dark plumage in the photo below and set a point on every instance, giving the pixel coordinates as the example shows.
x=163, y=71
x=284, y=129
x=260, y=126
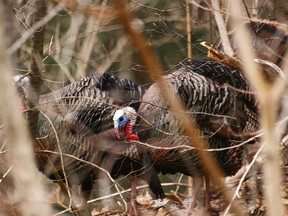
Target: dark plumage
x=92, y=100
x=71, y=117
x=217, y=99
x=208, y=90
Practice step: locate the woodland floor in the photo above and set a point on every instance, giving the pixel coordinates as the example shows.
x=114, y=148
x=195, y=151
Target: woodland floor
x=250, y=198
x=175, y=204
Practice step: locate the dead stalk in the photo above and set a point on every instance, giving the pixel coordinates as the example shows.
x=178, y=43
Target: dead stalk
x=189, y=56
x=222, y=28
x=29, y=191
x=188, y=29
x=92, y=29
x=150, y=60
x=269, y=98
x=27, y=34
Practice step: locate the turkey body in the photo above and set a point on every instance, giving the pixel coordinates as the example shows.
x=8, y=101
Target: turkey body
x=217, y=99
x=92, y=101
x=269, y=40
x=70, y=116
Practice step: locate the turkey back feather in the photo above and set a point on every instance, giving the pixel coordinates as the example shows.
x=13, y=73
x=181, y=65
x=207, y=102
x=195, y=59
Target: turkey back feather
x=205, y=100
x=92, y=101
x=217, y=98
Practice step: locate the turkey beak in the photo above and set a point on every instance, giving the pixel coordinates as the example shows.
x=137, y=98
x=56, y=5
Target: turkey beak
x=117, y=133
x=116, y=128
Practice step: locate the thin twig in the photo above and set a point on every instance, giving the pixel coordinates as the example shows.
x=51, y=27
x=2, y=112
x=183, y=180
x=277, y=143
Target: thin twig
x=124, y=191
x=27, y=34
x=117, y=186
x=6, y=173
x=243, y=178
x=61, y=157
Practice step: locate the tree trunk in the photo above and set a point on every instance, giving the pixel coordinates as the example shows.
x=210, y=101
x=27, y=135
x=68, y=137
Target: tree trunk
x=36, y=67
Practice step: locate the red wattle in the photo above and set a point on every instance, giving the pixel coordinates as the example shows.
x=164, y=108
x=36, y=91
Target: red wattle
x=23, y=108
x=128, y=133
x=131, y=137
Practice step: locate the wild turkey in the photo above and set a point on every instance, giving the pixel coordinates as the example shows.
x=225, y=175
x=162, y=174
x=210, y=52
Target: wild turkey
x=269, y=42
x=218, y=100
x=90, y=99
x=82, y=109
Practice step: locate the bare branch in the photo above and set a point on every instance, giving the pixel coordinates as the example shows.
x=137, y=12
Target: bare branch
x=222, y=28
x=28, y=190
x=269, y=103
x=33, y=29
x=92, y=29
x=150, y=60
x=219, y=56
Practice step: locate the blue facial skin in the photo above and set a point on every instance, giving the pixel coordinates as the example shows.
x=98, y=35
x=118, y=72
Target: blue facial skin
x=120, y=122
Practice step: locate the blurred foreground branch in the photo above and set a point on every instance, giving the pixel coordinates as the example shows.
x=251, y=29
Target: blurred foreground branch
x=269, y=98
x=156, y=73
x=28, y=190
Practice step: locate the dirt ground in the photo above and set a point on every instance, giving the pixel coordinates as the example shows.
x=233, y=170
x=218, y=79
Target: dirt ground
x=174, y=204
x=250, y=199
